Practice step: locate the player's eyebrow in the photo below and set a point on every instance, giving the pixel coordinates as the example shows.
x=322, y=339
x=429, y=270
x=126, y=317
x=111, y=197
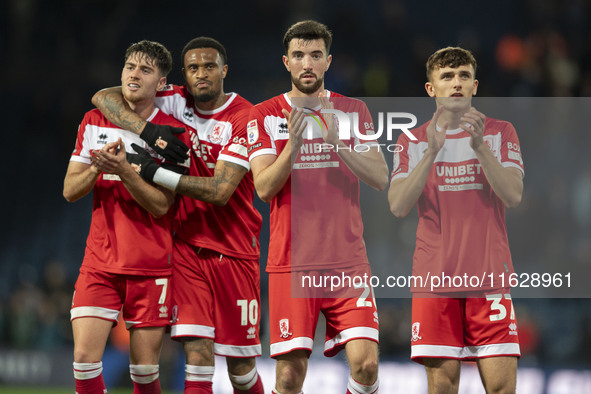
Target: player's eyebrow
x=463, y=73
x=199, y=64
x=298, y=52
x=145, y=67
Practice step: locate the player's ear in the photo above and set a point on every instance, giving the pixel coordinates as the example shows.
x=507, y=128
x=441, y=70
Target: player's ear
x=475, y=87
x=328, y=61
x=429, y=89
x=224, y=71
x=286, y=63
x=161, y=83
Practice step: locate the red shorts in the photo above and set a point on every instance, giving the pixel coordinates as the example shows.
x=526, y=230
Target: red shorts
x=464, y=328
x=293, y=320
x=145, y=299
x=216, y=297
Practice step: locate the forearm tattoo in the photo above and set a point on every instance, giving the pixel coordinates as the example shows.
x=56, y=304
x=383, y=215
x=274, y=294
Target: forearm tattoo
x=209, y=189
x=112, y=105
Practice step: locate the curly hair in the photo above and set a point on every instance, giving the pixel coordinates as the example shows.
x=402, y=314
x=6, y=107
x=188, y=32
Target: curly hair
x=450, y=57
x=155, y=53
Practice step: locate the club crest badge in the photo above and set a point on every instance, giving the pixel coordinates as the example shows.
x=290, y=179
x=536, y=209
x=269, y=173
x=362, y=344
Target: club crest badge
x=415, y=332
x=216, y=134
x=284, y=328
x=160, y=143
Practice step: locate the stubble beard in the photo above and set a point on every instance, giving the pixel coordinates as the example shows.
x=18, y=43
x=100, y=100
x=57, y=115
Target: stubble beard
x=307, y=89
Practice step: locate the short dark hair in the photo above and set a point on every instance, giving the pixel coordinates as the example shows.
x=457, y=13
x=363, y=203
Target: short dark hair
x=155, y=52
x=308, y=30
x=450, y=57
x=204, y=42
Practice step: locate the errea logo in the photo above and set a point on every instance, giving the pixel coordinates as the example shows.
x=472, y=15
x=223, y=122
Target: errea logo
x=188, y=115
x=513, y=329
x=163, y=311
x=251, y=333
x=283, y=129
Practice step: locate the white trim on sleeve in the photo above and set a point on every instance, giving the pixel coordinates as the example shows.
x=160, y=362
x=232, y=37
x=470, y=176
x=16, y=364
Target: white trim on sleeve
x=265, y=151
x=235, y=160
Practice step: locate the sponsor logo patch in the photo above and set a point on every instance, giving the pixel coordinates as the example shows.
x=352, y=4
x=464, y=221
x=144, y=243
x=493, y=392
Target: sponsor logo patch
x=238, y=149
x=514, y=156
x=254, y=146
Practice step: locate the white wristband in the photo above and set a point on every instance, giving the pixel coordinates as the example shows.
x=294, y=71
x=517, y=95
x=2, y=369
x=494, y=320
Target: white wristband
x=168, y=179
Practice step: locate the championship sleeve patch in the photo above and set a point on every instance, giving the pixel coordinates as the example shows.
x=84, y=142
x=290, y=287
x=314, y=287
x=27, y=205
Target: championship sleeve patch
x=238, y=149
x=252, y=130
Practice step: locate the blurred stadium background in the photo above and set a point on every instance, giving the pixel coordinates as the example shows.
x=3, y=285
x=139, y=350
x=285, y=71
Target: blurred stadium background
x=57, y=54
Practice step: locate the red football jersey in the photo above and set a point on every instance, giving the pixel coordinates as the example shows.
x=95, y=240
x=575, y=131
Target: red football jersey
x=315, y=219
x=461, y=229
x=124, y=238
x=221, y=135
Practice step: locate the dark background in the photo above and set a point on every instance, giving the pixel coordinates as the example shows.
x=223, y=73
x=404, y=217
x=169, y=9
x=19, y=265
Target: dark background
x=57, y=54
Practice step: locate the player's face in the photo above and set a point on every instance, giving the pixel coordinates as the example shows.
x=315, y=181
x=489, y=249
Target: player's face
x=307, y=61
x=140, y=78
x=457, y=85
x=204, y=73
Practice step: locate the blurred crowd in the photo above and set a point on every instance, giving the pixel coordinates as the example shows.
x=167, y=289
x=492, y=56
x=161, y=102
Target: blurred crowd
x=60, y=53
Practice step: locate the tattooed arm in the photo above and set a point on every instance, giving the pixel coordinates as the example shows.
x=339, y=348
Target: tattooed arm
x=111, y=103
x=161, y=138
x=216, y=189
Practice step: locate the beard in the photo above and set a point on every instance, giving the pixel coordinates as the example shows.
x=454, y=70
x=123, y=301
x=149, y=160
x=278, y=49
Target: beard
x=205, y=97
x=307, y=89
